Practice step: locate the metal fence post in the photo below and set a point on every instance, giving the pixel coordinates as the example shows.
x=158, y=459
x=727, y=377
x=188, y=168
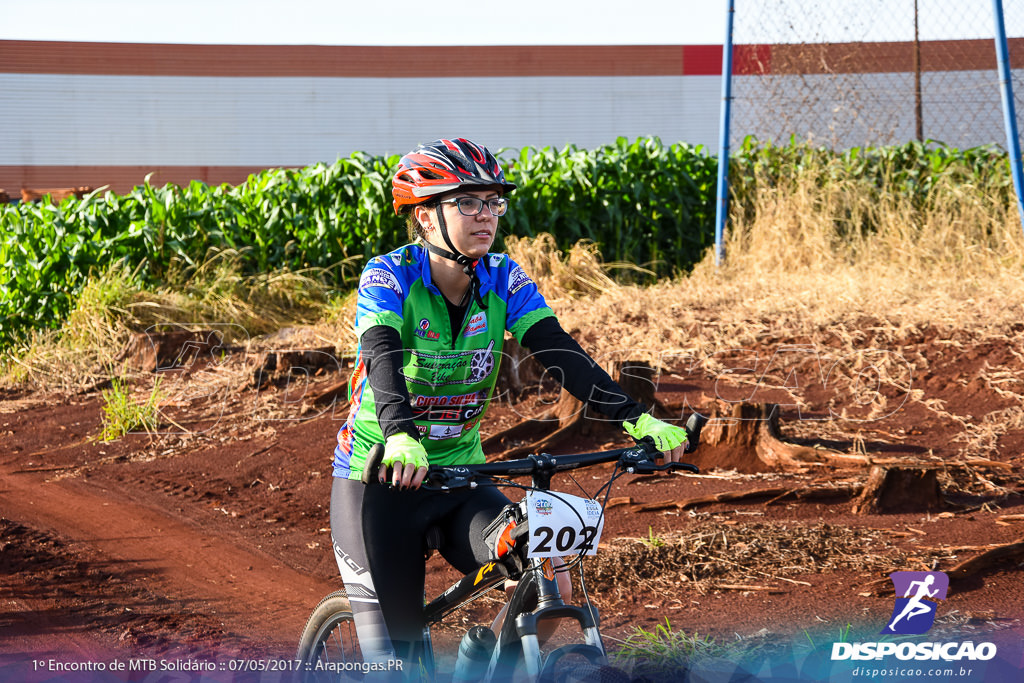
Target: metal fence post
x=722, y=206
x=1009, y=109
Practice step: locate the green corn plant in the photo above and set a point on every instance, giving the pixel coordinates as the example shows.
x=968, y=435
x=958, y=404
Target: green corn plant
x=641, y=201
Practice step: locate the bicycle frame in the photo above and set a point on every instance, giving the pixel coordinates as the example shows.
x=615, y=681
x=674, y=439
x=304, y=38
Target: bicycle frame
x=537, y=597
x=519, y=630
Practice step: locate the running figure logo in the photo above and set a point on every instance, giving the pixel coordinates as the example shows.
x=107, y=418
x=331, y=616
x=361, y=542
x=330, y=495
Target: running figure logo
x=914, y=612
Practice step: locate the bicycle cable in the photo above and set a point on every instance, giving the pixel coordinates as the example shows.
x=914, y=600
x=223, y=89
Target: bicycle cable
x=607, y=488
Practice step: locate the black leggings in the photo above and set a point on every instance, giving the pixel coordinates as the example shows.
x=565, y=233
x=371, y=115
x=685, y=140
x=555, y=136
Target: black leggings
x=379, y=537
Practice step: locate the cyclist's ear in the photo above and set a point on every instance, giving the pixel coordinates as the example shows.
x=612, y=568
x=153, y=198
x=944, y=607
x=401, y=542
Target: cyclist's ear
x=372, y=464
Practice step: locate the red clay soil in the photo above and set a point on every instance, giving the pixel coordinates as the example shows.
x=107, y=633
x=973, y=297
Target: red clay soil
x=213, y=544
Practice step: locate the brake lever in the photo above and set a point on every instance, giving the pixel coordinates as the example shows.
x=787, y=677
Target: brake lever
x=640, y=460
x=448, y=478
x=650, y=467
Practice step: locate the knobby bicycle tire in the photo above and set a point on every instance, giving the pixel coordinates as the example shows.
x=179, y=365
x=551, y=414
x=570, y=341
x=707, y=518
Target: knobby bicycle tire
x=579, y=663
x=329, y=638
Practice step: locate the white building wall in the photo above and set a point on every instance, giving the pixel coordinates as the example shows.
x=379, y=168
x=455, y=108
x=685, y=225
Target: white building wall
x=59, y=119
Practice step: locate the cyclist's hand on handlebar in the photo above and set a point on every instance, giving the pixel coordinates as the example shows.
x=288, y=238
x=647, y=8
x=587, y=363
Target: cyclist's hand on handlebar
x=406, y=458
x=669, y=439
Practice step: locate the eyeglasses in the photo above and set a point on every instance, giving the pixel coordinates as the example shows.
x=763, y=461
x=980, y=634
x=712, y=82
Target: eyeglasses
x=472, y=206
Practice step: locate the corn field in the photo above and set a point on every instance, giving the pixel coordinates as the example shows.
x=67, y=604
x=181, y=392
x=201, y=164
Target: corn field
x=642, y=202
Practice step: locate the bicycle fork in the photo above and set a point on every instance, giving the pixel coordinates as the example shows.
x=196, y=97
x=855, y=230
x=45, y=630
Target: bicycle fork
x=523, y=628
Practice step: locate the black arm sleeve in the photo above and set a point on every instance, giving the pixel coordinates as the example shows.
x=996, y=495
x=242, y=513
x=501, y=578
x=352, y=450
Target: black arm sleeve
x=382, y=356
x=575, y=370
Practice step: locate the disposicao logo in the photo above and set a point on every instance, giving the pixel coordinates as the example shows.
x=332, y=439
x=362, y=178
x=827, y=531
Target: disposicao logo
x=915, y=612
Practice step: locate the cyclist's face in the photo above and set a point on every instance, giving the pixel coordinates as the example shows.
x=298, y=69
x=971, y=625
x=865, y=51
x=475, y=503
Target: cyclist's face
x=470, y=235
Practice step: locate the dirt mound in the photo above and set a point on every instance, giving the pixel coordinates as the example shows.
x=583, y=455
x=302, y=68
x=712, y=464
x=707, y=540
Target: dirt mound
x=742, y=553
x=211, y=533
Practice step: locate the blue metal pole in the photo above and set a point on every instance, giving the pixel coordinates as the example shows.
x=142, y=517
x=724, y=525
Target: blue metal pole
x=722, y=207
x=1009, y=109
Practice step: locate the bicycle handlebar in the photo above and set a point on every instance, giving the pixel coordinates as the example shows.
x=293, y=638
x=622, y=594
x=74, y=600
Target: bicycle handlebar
x=638, y=459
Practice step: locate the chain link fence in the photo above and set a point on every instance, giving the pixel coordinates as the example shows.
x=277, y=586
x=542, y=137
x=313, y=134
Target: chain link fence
x=872, y=72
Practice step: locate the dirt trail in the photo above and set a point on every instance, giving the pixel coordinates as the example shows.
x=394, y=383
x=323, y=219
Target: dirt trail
x=216, y=544
x=242, y=588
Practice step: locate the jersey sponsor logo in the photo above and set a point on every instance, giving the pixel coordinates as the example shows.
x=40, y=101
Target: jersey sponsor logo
x=448, y=413
x=441, y=432
x=457, y=400
x=424, y=331
x=403, y=257
x=517, y=280
x=378, y=277
x=482, y=364
x=458, y=408
x=455, y=367
x=477, y=325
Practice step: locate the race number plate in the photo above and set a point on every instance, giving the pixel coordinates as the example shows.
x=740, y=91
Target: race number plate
x=562, y=524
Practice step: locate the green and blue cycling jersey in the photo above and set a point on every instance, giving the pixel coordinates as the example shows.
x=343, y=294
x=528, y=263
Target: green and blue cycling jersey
x=450, y=379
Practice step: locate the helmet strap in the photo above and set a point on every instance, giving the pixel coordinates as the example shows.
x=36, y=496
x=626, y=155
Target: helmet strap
x=468, y=264
x=454, y=254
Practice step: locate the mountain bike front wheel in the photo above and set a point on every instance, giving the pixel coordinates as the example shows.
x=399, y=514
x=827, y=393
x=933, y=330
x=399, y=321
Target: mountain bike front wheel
x=580, y=664
x=328, y=647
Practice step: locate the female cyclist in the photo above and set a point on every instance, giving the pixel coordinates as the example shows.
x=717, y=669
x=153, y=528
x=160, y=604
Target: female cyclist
x=431, y=318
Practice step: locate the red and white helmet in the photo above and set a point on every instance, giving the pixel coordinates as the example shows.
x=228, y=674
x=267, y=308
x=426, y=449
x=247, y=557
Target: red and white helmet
x=442, y=166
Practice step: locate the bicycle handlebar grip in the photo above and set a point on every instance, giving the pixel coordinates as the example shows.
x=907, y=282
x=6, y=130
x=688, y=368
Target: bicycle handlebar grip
x=372, y=464
x=693, y=427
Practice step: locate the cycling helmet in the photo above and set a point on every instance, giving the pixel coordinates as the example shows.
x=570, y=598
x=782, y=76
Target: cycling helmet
x=439, y=167
x=442, y=166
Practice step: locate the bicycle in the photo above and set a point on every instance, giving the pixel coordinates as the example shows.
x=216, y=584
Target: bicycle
x=328, y=642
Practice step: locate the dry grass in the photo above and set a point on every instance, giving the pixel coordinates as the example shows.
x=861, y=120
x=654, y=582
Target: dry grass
x=84, y=349
x=757, y=553
x=87, y=348
x=799, y=271
x=218, y=292
x=798, y=267
x=565, y=276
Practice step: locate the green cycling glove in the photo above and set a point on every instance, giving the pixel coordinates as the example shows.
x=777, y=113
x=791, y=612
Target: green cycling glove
x=665, y=436
x=402, y=449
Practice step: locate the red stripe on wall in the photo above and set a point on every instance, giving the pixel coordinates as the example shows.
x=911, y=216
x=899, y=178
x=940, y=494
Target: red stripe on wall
x=751, y=60
x=702, y=60
x=894, y=57
x=121, y=179
x=138, y=59
x=145, y=59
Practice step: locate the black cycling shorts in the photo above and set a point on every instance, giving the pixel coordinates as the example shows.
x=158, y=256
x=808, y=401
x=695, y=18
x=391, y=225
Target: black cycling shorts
x=379, y=536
